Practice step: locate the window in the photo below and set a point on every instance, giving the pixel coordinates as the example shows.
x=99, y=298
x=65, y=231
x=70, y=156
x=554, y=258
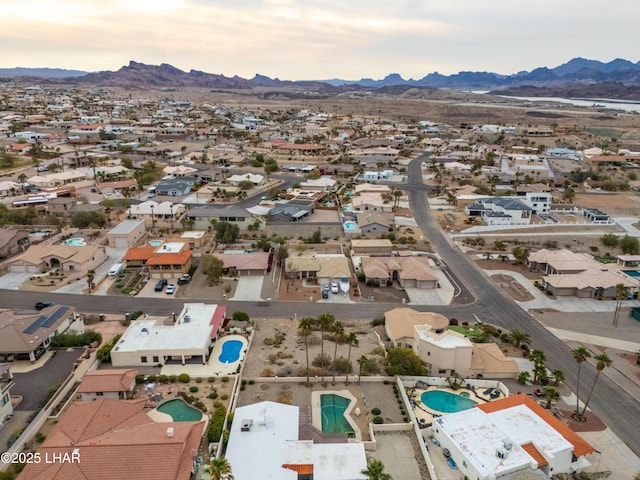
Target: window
x=156, y=359
x=5, y=400
x=99, y=394
x=143, y=359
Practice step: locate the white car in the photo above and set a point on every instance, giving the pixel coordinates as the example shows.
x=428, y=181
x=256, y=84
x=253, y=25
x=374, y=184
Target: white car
x=334, y=288
x=170, y=289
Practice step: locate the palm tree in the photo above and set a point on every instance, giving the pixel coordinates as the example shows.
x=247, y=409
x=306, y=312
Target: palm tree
x=362, y=361
x=518, y=338
x=550, y=394
x=621, y=294
x=375, y=471
x=580, y=354
x=219, y=469
x=558, y=377
x=602, y=361
x=352, y=341
x=538, y=358
x=305, y=327
x=325, y=321
x=22, y=178
x=90, y=276
x=337, y=332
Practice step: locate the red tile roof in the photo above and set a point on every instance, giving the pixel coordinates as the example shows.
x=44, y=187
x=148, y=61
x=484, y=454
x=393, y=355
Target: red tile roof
x=139, y=253
x=117, y=439
x=217, y=319
x=301, y=469
x=179, y=258
x=119, y=380
x=535, y=454
x=580, y=445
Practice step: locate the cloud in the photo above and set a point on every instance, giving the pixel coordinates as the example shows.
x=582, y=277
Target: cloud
x=307, y=39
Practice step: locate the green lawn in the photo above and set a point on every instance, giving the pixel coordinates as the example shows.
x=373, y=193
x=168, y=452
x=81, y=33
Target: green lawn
x=467, y=331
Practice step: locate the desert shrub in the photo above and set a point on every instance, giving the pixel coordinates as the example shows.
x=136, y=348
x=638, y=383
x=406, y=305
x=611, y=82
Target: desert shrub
x=199, y=380
x=240, y=316
x=224, y=396
x=378, y=420
x=211, y=379
x=140, y=378
x=163, y=379
x=193, y=389
x=251, y=382
x=173, y=378
x=321, y=361
x=224, y=379
x=342, y=365
x=376, y=411
x=67, y=340
x=40, y=437
x=213, y=395
x=152, y=378
x=184, y=378
x=377, y=321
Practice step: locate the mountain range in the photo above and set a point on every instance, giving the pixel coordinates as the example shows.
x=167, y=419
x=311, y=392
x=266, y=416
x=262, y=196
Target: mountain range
x=621, y=78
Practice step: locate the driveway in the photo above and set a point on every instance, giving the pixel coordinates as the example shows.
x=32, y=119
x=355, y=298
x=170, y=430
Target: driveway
x=13, y=280
x=249, y=288
x=34, y=385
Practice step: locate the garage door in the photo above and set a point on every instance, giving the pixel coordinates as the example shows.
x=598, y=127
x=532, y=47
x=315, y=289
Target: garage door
x=122, y=242
x=23, y=268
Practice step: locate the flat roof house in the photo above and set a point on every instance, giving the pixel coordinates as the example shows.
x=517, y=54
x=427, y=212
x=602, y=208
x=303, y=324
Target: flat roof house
x=180, y=339
x=510, y=436
x=271, y=433
x=117, y=439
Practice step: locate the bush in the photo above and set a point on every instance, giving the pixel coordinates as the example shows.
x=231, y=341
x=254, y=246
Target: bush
x=378, y=420
x=173, y=378
x=211, y=379
x=224, y=379
x=104, y=352
x=184, y=378
x=251, y=382
x=240, y=316
x=40, y=437
x=67, y=340
x=213, y=395
x=217, y=423
x=136, y=314
x=163, y=379
x=342, y=365
x=224, y=396
x=193, y=389
x=376, y=411
x=198, y=379
x=377, y=321
x=322, y=361
x=140, y=378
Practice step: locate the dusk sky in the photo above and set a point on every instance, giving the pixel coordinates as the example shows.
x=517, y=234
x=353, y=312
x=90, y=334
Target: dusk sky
x=316, y=39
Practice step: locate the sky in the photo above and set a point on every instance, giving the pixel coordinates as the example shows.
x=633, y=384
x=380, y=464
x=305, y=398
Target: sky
x=317, y=39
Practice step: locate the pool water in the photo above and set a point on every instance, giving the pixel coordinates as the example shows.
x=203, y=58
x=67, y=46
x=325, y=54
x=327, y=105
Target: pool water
x=446, y=402
x=632, y=273
x=155, y=243
x=230, y=351
x=76, y=242
x=350, y=226
x=180, y=411
x=332, y=408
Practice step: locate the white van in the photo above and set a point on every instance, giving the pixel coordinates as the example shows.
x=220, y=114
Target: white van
x=116, y=270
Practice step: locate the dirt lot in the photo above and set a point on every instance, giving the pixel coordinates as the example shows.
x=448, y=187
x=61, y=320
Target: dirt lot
x=614, y=204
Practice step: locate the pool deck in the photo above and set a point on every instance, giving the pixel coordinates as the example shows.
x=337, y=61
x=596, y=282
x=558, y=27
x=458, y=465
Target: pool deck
x=159, y=417
x=214, y=367
x=316, y=412
x=425, y=415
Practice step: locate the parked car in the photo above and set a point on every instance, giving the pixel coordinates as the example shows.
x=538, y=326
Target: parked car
x=446, y=453
x=184, y=279
x=42, y=305
x=334, y=288
x=170, y=289
x=161, y=284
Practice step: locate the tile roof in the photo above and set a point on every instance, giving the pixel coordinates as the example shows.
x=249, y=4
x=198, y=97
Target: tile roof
x=580, y=446
x=139, y=253
x=535, y=454
x=119, y=380
x=399, y=322
x=179, y=258
x=117, y=439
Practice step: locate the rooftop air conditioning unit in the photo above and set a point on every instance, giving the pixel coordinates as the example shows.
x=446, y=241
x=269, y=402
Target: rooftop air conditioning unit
x=245, y=425
x=508, y=444
x=170, y=432
x=502, y=453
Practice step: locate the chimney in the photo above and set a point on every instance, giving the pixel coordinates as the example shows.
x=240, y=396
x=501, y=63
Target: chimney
x=170, y=432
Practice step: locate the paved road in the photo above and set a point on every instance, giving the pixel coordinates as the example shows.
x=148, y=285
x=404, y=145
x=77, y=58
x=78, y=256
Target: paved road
x=614, y=406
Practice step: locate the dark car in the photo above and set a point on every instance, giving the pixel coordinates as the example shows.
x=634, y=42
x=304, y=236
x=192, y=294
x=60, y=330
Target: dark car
x=161, y=284
x=42, y=305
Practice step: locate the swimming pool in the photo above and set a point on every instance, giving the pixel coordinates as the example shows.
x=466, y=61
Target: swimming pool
x=332, y=408
x=76, y=242
x=180, y=411
x=632, y=273
x=348, y=225
x=155, y=243
x=446, y=402
x=230, y=351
